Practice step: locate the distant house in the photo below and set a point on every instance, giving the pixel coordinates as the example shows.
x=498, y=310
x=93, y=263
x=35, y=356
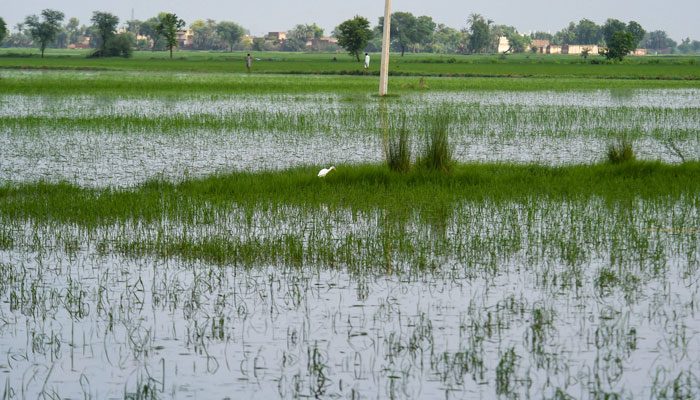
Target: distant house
x=578, y=48
x=639, y=52
x=540, y=45
x=503, y=45
x=553, y=49
x=185, y=38
x=322, y=42
x=278, y=36
x=85, y=44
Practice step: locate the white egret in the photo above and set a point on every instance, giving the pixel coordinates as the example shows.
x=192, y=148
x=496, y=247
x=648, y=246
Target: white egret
x=325, y=172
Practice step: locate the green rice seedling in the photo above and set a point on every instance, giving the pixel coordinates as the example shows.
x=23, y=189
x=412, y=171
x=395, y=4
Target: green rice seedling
x=621, y=151
x=505, y=373
x=397, y=149
x=437, y=154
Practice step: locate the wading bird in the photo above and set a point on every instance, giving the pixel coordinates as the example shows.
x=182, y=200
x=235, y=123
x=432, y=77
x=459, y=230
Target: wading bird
x=325, y=172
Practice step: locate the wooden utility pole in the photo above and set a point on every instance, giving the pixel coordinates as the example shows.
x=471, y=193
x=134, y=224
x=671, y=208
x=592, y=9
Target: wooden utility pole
x=384, y=71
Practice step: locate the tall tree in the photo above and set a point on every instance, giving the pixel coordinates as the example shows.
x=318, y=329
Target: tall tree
x=610, y=27
x=167, y=27
x=407, y=30
x=148, y=29
x=3, y=29
x=621, y=44
x=637, y=31
x=229, y=32
x=203, y=33
x=658, y=40
x=44, y=32
x=566, y=35
x=353, y=35
x=73, y=29
x=541, y=36
x=588, y=32
x=106, y=27
x=480, y=34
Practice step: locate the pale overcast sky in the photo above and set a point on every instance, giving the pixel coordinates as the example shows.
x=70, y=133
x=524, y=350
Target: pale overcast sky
x=679, y=18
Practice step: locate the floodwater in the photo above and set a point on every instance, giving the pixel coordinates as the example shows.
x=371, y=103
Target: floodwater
x=84, y=320
x=522, y=127
x=540, y=300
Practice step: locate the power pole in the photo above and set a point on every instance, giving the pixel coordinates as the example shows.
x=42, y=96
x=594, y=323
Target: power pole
x=384, y=71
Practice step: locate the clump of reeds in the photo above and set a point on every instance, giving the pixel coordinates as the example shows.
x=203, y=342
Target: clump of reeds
x=437, y=154
x=397, y=150
x=621, y=151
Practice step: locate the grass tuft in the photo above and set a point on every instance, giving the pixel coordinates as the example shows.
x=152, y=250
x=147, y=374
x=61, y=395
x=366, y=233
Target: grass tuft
x=397, y=149
x=438, y=152
x=621, y=151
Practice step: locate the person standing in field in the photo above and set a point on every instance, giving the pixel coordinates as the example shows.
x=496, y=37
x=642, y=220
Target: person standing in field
x=248, y=61
x=366, y=62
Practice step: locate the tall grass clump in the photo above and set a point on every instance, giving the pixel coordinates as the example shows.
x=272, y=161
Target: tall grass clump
x=397, y=149
x=621, y=151
x=437, y=154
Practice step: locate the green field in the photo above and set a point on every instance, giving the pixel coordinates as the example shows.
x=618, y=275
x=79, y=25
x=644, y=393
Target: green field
x=163, y=232
x=651, y=67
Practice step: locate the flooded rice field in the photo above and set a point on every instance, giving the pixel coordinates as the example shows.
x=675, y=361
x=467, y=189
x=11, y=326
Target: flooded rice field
x=532, y=299
x=521, y=296
x=111, y=141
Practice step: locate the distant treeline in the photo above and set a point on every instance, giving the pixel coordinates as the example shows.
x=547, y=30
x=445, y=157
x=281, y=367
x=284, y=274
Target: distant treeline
x=408, y=33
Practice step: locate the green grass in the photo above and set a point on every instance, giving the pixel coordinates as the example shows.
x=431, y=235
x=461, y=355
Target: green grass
x=158, y=84
x=363, y=187
x=522, y=65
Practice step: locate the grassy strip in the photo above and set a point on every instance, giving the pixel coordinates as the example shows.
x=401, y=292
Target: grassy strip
x=159, y=84
x=412, y=65
x=364, y=187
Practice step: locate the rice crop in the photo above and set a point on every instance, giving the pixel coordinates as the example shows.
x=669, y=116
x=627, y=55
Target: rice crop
x=172, y=240
x=283, y=284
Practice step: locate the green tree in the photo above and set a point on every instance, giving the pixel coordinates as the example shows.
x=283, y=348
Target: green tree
x=73, y=29
x=566, y=35
x=120, y=45
x=610, y=27
x=541, y=36
x=448, y=40
x=134, y=26
x=304, y=33
x=519, y=43
x=480, y=35
x=637, y=31
x=3, y=29
x=353, y=35
x=407, y=30
x=105, y=25
x=44, y=32
x=658, y=40
x=204, y=34
x=621, y=44
x=167, y=27
x=588, y=32
x=230, y=33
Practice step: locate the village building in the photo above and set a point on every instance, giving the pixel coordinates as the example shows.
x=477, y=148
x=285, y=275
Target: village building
x=553, y=49
x=85, y=44
x=577, y=49
x=540, y=45
x=185, y=38
x=639, y=52
x=503, y=45
x=278, y=36
x=322, y=42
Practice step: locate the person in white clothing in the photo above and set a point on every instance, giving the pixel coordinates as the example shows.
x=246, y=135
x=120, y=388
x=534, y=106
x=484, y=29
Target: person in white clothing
x=366, y=61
